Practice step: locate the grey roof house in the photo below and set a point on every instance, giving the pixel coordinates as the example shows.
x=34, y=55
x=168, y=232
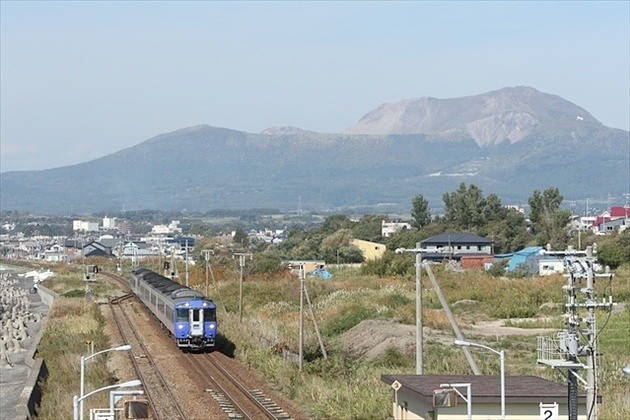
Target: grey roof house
x=455, y=245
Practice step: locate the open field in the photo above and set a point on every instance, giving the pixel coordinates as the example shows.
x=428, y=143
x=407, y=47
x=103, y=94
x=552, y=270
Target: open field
x=348, y=385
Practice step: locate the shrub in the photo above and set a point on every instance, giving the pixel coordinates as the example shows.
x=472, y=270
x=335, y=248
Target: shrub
x=74, y=293
x=352, y=315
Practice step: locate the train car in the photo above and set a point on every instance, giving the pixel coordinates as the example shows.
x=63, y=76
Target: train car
x=187, y=314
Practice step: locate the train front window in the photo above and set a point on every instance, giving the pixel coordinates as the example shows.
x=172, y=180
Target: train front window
x=196, y=315
x=182, y=315
x=209, y=315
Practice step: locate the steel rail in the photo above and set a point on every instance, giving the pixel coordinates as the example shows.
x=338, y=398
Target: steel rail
x=155, y=370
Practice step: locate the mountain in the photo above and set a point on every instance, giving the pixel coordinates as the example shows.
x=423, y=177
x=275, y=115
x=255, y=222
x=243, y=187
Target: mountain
x=509, y=114
x=443, y=143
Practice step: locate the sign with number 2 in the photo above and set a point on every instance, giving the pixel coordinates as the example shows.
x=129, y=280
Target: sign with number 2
x=548, y=411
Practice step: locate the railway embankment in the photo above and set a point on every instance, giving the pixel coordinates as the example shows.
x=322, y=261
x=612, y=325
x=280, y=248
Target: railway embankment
x=23, y=310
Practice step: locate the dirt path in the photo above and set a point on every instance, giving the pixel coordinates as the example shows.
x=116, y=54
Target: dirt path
x=371, y=338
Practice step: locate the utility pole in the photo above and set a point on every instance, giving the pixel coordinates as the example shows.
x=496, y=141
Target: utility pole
x=419, y=336
x=302, y=279
x=207, y=253
x=571, y=349
x=187, y=263
x=241, y=263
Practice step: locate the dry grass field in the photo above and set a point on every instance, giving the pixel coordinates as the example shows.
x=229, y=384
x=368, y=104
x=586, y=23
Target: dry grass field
x=499, y=312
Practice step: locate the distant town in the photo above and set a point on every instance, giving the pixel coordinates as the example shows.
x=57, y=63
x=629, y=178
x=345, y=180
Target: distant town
x=64, y=239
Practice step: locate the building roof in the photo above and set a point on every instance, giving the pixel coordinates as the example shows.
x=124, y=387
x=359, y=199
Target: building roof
x=522, y=256
x=620, y=211
x=456, y=238
x=487, y=388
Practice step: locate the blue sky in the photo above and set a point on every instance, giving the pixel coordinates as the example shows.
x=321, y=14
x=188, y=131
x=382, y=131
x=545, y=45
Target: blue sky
x=80, y=80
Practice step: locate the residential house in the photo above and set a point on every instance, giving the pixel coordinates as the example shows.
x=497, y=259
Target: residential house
x=610, y=226
x=96, y=249
x=55, y=253
x=138, y=250
x=370, y=250
x=527, y=259
x=390, y=228
x=549, y=265
x=616, y=219
x=455, y=245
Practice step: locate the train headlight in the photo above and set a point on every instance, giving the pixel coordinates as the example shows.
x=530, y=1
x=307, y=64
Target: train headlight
x=212, y=326
x=180, y=326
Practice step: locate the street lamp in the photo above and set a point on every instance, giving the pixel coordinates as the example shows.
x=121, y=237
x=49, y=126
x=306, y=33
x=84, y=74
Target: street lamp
x=502, y=358
x=85, y=359
x=76, y=401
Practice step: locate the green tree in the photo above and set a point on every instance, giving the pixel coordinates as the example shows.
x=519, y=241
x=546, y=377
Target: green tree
x=509, y=234
x=420, y=211
x=464, y=207
x=492, y=209
x=369, y=228
x=335, y=222
x=548, y=219
x=615, y=251
x=240, y=238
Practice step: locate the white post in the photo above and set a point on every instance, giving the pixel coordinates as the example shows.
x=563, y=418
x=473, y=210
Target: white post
x=502, y=356
x=82, y=389
x=75, y=407
x=468, y=397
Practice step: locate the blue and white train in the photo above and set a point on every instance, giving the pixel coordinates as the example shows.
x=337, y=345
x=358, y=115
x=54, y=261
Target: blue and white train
x=188, y=315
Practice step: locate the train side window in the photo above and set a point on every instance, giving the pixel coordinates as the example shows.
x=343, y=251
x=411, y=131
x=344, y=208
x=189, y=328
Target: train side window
x=182, y=315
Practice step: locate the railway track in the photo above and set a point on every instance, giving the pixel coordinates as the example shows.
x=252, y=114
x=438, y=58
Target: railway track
x=121, y=281
x=164, y=404
x=233, y=396
x=212, y=373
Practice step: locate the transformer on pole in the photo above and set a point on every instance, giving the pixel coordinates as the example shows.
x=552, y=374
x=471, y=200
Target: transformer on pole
x=575, y=347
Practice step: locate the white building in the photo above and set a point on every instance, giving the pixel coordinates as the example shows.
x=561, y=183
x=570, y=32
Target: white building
x=172, y=228
x=82, y=226
x=390, y=228
x=109, y=223
x=585, y=222
x=549, y=266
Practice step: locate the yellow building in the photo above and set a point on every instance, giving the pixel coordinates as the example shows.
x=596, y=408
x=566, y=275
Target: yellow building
x=370, y=250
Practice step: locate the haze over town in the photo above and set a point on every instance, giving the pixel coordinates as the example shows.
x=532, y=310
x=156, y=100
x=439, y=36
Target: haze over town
x=82, y=80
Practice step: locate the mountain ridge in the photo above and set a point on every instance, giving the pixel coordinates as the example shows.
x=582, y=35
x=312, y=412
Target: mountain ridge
x=204, y=167
x=490, y=118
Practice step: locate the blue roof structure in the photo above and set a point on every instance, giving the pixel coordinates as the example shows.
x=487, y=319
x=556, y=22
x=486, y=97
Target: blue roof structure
x=524, y=256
